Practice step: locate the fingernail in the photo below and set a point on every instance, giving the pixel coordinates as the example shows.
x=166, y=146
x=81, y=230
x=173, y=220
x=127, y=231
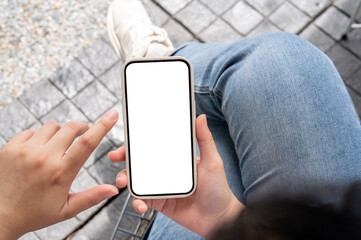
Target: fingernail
x=205, y=117
x=111, y=194
x=112, y=114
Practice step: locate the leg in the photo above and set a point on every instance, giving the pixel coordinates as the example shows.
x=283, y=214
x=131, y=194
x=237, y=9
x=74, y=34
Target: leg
x=293, y=126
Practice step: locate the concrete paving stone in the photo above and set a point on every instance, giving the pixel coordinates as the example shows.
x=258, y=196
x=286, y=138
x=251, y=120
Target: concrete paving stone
x=173, y=6
x=84, y=181
x=265, y=7
x=289, y=18
x=156, y=14
x=265, y=27
x=41, y=98
x=14, y=119
x=105, y=171
x=177, y=34
x=356, y=98
x=60, y=230
x=333, y=22
x=94, y=100
x=242, y=17
x=72, y=78
x=63, y=113
x=196, y=17
x=355, y=82
x=344, y=61
x=103, y=148
x=105, y=38
x=116, y=135
x=348, y=6
x=112, y=79
x=217, y=6
x=29, y=236
x=317, y=38
x=311, y=7
x=85, y=215
x=101, y=226
x=353, y=42
x=2, y=143
x=98, y=57
x=219, y=32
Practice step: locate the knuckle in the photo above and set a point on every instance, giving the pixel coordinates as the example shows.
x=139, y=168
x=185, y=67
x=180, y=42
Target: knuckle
x=91, y=201
x=74, y=126
x=105, y=123
x=88, y=142
x=39, y=160
x=58, y=177
x=52, y=124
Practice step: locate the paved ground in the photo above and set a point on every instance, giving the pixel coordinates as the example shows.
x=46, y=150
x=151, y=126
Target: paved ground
x=90, y=84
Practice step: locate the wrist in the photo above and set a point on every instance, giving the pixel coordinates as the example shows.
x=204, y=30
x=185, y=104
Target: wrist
x=235, y=207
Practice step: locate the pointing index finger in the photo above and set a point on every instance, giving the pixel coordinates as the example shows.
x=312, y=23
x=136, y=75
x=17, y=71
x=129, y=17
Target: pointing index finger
x=82, y=149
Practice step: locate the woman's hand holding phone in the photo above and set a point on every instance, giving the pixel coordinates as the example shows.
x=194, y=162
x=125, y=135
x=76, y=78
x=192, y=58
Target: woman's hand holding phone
x=213, y=201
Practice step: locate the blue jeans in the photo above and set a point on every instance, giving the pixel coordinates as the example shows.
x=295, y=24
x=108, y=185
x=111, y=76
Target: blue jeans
x=281, y=118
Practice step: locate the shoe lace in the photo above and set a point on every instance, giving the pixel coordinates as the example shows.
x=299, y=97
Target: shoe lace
x=143, y=34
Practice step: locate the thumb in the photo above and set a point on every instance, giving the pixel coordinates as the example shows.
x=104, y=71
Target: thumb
x=81, y=201
x=207, y=147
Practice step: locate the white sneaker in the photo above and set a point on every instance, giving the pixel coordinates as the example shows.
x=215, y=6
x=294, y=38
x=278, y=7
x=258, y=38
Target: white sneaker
x=131, y=32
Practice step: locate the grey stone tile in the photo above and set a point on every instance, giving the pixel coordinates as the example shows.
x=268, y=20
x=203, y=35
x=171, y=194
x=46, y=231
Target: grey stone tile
x=219, y=32
x=156, y=14
x=59, y=230
x=72, y=78
x=117, y=134
x=84, y=181
x=105, y=171
x=105, y=38
x=353, y=41
x=348, y=6
x=311, y=7
x=29, y=236
x=265, y=7
x=173, y=6
x=112, y=79
x=98, y=57
x=196, y=17
x=355, y=82
x=242, y=17
x=177, y=34
x=344, y=61
x=333, y=22
x=265, y=27
x=289, y=18
x=94, y=100
x=356, y=98
x=217, y=6
x=63, y=113
x=41, y=98
x=101, y=226
x=103, y=148
x=14, y=119
x=317, y=38
x=2, y=143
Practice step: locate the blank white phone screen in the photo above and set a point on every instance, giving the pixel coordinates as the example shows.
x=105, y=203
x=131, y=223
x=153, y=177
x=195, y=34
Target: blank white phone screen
x=159, y=127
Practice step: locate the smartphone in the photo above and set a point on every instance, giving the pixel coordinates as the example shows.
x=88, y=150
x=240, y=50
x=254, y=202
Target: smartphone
x=159, y=127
